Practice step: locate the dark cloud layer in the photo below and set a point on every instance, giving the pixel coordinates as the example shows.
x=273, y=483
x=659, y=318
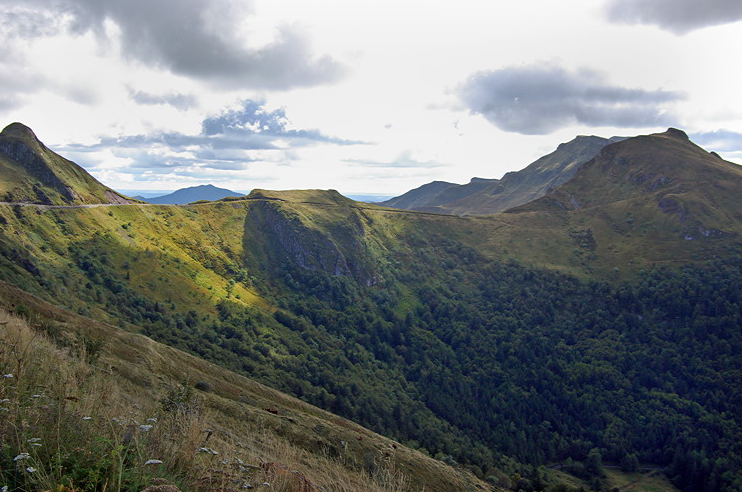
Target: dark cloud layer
x=677, y=16
x=537, y=100
x=197, y=39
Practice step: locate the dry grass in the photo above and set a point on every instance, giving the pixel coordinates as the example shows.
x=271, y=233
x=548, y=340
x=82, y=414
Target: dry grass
x=96, y=427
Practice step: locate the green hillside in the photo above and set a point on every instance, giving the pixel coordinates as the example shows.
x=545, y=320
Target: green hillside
x=34, y=174
x=89, y=406
x=563, y=330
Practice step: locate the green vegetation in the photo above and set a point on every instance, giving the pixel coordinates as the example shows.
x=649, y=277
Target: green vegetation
x=421, y=338
x=599, y=326
x=126, y=422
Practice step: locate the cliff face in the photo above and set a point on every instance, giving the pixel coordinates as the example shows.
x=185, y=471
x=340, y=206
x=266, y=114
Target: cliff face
x=285, y=236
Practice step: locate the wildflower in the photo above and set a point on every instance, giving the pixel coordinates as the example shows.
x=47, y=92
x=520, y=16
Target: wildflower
x=8, y=376
x=152, y=462
x=87, y=418
x=145, y=428
x=22, y=456
x=4, y=489
x=35, y=396
x=31, y=469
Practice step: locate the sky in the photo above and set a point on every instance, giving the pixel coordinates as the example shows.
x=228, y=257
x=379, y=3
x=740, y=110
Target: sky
x=361, y=96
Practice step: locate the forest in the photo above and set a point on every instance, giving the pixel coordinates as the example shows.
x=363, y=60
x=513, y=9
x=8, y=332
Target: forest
x=486, y=363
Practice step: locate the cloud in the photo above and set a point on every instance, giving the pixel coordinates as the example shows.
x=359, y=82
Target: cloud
x=179, y=101
x=20, y=22
x=230, y=141
x=536, y=100
x=719, y=140
x=197, y=39
x=676, y=16
x=403, y=160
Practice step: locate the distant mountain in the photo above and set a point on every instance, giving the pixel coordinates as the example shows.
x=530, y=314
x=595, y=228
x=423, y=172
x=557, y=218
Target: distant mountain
x=31, y=173
x=488, y=196
x=193, y=194
x=419, y=197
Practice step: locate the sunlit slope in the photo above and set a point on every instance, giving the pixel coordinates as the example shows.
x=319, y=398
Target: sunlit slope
x=30, y=172
x=647, y=200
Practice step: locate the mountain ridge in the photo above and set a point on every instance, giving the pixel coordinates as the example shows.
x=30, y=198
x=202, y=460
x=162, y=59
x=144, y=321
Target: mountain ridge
x=486, y=196
x=537, y=334
x=33, y=173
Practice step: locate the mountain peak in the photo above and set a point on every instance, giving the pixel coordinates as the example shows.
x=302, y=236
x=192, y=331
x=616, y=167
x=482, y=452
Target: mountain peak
x=32, y=173
x=675, y=133
x=22, y=133
x=18, y=130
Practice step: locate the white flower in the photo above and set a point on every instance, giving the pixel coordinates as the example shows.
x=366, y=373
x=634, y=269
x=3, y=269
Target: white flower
x=22, y=456
x=4, y=489
x=8, y=376
x=145, y=428
x=30, y=469
x=35, y=396
x=87, y=418
x=153, y=462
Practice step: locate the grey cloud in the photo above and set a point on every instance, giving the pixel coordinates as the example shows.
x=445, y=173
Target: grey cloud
x=537, y=100
x=224, y=142
x=254, y=120
x=719, y=140
x=178, y=101
x=198, y=39
x=24, y=23
x=677, y=16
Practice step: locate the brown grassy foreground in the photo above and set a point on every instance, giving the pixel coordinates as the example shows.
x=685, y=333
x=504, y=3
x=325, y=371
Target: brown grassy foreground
x=86, y=406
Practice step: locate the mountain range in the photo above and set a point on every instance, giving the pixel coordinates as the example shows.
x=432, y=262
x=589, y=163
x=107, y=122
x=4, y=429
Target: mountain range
x=596, y=321
x=488, y=196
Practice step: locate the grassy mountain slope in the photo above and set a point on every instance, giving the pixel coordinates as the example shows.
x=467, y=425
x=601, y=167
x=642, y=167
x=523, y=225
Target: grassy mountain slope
x=110, y=374
x=34, y=174
x=488, y=196
x=643, y=201
x=453, y=334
